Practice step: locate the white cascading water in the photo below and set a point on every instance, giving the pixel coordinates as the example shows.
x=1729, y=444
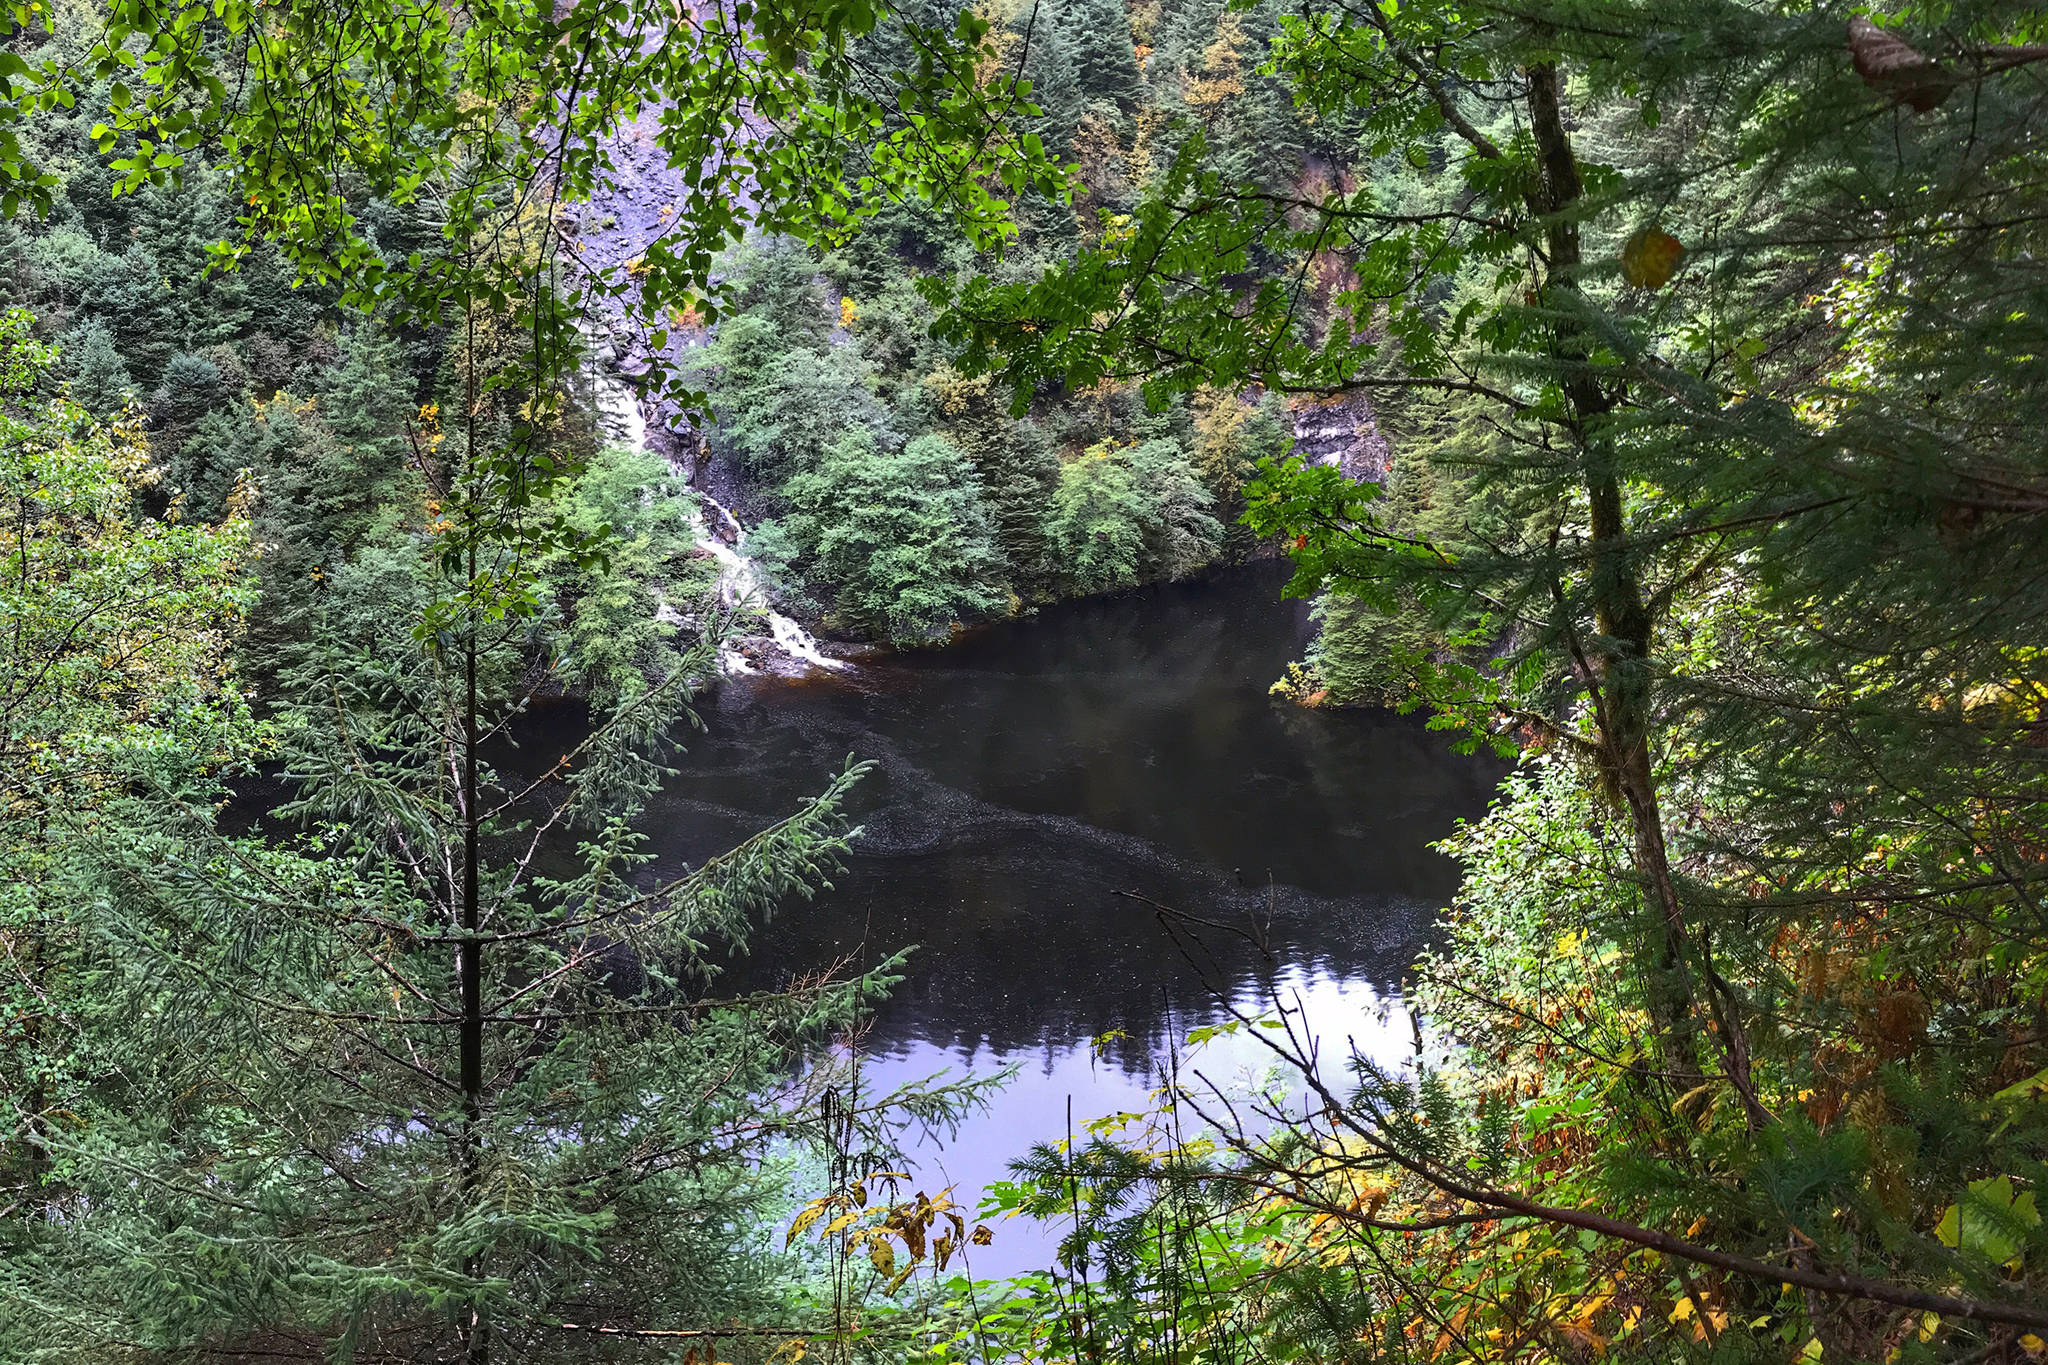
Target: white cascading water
x=739, y=578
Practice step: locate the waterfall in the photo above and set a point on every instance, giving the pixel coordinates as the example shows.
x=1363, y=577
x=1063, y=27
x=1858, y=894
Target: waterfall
x=739, y=578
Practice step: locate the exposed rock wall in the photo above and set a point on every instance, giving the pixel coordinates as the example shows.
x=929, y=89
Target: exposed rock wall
x=1343, y=432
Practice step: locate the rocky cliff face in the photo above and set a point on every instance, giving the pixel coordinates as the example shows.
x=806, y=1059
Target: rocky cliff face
x=607, y=236
x=1343, y=432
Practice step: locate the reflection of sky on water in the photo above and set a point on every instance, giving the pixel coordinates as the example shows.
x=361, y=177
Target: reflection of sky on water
x=1073, y=1082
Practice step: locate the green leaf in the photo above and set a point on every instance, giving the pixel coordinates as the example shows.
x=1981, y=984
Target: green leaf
x=1990, y=1221
x=2034, y=1085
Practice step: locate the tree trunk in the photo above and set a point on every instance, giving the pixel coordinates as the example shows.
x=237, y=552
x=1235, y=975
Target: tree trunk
x=1620, y=657
x=476, y=1333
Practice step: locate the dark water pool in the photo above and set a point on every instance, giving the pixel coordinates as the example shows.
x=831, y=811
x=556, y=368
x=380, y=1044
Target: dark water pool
x=1028, y=775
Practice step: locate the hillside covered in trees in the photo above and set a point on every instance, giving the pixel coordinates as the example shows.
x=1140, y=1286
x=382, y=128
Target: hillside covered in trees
x=1647, y=393
x=900, y=497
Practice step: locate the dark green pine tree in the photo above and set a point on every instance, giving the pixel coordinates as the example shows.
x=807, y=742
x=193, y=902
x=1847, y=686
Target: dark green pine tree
x=192, y=386
x=366, y=401
x=777, y=281
x=100, y=382
x=1097, y=33
x=145, y=315
x=1051, y=65
x=1018, y=469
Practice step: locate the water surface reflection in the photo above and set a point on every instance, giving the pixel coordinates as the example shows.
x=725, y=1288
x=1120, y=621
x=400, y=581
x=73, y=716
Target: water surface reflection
x=1032, y=772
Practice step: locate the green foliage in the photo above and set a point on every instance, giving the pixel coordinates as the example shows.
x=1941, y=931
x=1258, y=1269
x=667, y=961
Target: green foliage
x=783, y=381
x=440, y=1072
x=1232, y=437
x=93, y=670
x=1098, y=521
x=616, y=639
x=1698, y=398
x=454, y=984
x=1058, y=86
x=1737, y=538
x=844, y=440
x=249, y=77
x=775, y=282
x=1017, y=469
x=1098, y=34
x=1122, y=514
x=779, y=410
x=99, y=377
x=116, y=678
x=192, y=386
x=598, y=1174
x=899, y=539
x=318, y=498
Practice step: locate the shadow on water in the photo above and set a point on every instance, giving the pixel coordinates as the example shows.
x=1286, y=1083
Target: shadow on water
x=1037, y=768
x=1026, y=776
x=1030, y=773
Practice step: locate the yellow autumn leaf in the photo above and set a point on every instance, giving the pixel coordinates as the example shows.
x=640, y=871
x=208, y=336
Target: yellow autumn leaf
x=812, y=1213
x=1651, y=258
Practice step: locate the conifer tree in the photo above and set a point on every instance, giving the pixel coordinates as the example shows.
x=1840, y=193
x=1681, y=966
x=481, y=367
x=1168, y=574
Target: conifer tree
x=900, y=539
x=441, y=1074
x=1053, y=68
x=99, y=376
x=383, y=1089
x=1016, y=466
x=1098, y=34
x=1750, y=374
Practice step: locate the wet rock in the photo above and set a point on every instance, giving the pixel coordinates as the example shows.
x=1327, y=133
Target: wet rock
x=1344, y=432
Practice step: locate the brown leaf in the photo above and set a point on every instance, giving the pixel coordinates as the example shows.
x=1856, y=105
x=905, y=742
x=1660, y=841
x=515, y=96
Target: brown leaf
x=1901, y=1019
x=1891, y=67
x=1824, y=1104
x=1584, y=1341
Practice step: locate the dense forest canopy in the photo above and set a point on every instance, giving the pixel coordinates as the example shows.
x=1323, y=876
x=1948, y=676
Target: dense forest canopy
x=1687, y=362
